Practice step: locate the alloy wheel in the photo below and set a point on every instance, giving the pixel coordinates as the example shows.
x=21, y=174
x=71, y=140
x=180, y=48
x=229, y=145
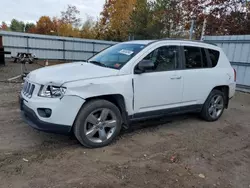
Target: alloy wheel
x=216, y=106
x=100, y=125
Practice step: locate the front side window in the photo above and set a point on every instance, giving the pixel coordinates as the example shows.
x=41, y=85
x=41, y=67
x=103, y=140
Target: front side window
x=116, y=56
x=164, y=58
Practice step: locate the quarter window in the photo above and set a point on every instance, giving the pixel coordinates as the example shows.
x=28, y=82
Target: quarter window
x=214, y=56
x=164, y=58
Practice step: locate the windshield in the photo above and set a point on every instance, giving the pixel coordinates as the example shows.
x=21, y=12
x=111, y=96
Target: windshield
x=116, y=56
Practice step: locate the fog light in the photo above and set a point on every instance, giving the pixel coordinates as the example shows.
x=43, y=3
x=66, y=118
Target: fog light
x=44, y=112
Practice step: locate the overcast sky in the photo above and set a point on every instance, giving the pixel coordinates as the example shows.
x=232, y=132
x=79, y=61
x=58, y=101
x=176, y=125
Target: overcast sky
x=32, y=10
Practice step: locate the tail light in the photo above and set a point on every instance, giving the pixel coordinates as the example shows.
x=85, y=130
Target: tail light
x=234, y=75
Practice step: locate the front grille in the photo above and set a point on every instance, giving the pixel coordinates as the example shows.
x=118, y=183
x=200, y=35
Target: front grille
x=28, y=89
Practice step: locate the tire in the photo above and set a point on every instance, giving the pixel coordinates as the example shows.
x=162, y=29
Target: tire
x=90, y=121
x=211, y=111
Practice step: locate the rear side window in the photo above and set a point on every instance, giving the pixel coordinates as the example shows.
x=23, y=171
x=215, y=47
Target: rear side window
x=193, y=57
x=196, y=57
x=214, y=56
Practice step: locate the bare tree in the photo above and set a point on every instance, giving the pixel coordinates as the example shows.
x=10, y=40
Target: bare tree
x=70, y=16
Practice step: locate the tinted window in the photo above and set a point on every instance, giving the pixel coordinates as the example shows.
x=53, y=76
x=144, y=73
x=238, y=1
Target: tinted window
x=117, y=56
x=204, y=58
x=164, y=58
x=214, y=56
x=193, y=57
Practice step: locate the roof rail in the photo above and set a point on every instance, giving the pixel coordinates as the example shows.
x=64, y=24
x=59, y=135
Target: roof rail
x=201, y=41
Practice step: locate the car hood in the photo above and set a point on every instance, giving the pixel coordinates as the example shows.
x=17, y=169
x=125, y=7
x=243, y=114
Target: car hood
x=68, y=72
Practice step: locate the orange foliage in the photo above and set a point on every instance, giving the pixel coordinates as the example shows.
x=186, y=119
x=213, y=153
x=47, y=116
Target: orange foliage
x=115, y=19
x=4, y=26
x=44, y=25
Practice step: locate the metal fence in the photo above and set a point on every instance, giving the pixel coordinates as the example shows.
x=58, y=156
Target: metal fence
x=237, y=48
x=52, y=47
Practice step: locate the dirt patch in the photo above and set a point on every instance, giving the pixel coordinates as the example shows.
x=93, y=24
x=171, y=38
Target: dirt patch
x=182, y=151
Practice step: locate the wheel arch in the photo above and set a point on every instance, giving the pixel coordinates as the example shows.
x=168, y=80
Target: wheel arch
x=225, y=90
x=116, y=99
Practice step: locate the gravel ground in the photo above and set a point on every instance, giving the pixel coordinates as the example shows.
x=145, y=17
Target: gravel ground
x=182, y=151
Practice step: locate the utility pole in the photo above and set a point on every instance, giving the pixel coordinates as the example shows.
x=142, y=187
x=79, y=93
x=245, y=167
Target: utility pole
x=247, y=7
x=191, y=29
x=203, y=29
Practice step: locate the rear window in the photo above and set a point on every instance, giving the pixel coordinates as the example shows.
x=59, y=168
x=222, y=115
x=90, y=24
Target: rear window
x=214, y=56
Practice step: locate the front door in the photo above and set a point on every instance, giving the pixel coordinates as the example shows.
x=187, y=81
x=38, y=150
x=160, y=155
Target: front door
x=160, y=89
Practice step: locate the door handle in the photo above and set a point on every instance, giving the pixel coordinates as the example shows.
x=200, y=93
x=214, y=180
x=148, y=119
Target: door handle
x=175, y=77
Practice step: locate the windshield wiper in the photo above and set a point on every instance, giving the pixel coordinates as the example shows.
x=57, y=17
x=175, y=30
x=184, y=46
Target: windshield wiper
x=97, y=63
x=101, y=64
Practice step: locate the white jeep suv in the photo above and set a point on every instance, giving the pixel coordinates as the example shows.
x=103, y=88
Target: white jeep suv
x=126, y=82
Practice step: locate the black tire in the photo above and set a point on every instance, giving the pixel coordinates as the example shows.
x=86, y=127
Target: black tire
x=85, y=111
x=205, y=109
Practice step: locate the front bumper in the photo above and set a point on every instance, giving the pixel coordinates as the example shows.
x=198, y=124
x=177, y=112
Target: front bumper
x=64, y=112
x=30, y=117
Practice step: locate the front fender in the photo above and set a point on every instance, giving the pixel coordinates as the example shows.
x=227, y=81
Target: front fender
x=121, y=85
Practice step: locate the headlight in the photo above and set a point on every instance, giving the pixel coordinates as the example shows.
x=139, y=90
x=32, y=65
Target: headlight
x=51, y=91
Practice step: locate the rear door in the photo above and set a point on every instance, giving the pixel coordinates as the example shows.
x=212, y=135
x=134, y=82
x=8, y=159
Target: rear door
x=197, y=75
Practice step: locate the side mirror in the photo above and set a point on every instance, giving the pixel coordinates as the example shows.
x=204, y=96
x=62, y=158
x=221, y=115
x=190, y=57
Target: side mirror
x=143, y=66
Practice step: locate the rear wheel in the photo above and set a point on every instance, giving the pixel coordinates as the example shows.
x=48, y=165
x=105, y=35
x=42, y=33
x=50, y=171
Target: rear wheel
x=97, y=124
x=214, y=106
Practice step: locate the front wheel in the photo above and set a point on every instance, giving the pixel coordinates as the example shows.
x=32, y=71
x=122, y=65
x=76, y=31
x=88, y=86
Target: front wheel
x=214, y=106
x=98, y=123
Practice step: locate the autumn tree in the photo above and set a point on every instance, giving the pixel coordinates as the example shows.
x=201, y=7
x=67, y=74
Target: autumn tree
x=223, y=16
x=44, y=25
x=105, y=14
x=146, y=19
x=103, y=26
x=67, y=30
x=4, y=26
x=115, y=19
x=63, y=26
x=32, y=30
x=70, y=16
x=120, y=19
x=88, y=30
